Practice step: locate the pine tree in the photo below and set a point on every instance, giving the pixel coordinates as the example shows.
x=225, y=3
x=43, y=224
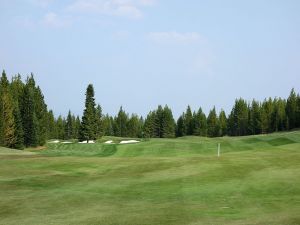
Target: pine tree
x=158, y=122
x=291, y=109
x=149, y=125
x=238, y=118
x=41, y=115
x=88, y=123
x=7, y=126
x=69, y=127
x=107, y=122
x=28, y=112
x=76, y=127
x=168, y=123
x=134, y=126
x=222, y=123
x=60, y=127
x=189, y=121
x=51, y=127
x=99, y=126
x=212, y=123
x=181, y=126
x=17, y=88
x=279, y=115
x=254, y=118
x=120, y=123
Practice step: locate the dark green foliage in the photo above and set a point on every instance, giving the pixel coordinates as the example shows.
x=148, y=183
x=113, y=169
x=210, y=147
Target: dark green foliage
x=189, y=121
x=69, y=126
x=212, y=124
x=181, y=127
x=60, y=128
x=28, y=112
x=292, y=109
x=107, y=123
x=98, y=122
x=238, y=118
x=26, y=121
x=279, y=115
x=160, y=123
x=7, y=126
x=222, y=123
x=41, y=115
x=168, y=123
x=254, y=118
x=120, y=123
x=149, y=125
x=200, y=123
x=134, y=126
x=51, y=126
x=88, y=124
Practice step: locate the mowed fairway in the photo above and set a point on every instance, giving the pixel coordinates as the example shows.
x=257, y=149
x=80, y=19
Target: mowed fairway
x=173, y=181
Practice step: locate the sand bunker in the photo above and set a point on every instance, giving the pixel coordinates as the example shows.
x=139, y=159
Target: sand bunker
x=67, y=142
x=86, y=142
x=53, y=142
x=109, y=142
x=129, y=142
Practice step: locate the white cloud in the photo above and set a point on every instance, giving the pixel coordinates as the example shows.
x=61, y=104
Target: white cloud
x=51, y=19
x=124, y=8
x=175, y=37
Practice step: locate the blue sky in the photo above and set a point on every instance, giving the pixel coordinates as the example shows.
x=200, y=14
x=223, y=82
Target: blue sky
x=141, y=53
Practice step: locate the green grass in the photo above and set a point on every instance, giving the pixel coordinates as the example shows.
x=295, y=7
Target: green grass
x=171, y=181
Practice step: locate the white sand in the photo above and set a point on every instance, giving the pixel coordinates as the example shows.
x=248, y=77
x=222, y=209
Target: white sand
x=86, y=142
x=54, y=142
x=109, y=142
x=129, y=142
x=67, y=142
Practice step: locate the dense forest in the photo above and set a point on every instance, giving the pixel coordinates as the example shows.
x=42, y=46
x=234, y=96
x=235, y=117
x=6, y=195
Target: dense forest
x=27, y=122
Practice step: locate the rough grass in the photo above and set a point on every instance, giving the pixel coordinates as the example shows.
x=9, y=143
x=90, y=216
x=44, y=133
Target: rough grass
x=174, y=181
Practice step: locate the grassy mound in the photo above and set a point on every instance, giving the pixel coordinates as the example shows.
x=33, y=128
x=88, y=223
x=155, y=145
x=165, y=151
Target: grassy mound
x=182, y=182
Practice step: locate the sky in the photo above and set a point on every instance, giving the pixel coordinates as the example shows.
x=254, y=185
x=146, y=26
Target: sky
x=142, y=53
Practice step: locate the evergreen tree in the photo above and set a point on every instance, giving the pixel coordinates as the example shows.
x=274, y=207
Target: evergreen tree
x=222, y=123
x=255, y=118
x=212, y=123
x=134, y=128
x=267, y=116
x=51, y=127
x=189, y=121
x=120, y=123
x=41, y=115
x=158, y=122
x=181, y=126
x=99, y=126
x=28, y=113
x=168, y=123
x=17, y=87
x=76, y=127
x=69, y=127
x=7, y=127
x=60, y=127
x=279, y=115
x=88, y=124
x=291, y=109
x=107, y=123
x=149, y=125
x=238, y=118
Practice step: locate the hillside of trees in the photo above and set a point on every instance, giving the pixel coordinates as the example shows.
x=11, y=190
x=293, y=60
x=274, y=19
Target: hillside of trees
x=26, y=121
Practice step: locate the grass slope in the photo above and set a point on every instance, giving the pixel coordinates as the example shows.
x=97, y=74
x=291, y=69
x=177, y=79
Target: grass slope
x=255, y=181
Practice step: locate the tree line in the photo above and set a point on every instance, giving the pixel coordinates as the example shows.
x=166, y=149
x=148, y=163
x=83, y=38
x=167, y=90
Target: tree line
x=25, y=120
